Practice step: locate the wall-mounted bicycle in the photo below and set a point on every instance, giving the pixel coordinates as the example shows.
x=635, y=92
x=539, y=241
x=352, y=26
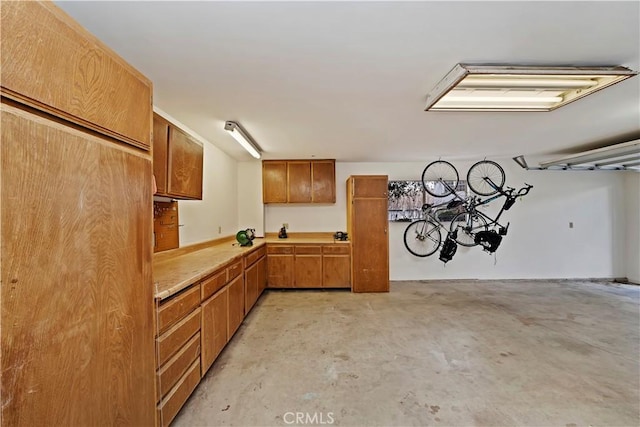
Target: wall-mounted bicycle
x=470, y=227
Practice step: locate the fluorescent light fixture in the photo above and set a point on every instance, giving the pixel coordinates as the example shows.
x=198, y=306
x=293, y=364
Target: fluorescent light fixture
x=519, y=88
x=242, y=137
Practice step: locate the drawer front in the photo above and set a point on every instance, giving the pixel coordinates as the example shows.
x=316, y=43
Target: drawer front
x=280, y=249
x=254, y=256
x=234, y=270
x=213, y=283
x=308, y=250
x=336, y=249
x=173, y=370
x=177, y=307
x=172, y=340
x=170, y=405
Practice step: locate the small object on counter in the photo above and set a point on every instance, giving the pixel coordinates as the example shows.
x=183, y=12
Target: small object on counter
x=245, y=237
x=283, y=233
x=340, y=235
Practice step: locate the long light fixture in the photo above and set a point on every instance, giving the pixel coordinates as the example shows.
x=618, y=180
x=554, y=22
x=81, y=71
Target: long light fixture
x=243, y=138
x=518, y=88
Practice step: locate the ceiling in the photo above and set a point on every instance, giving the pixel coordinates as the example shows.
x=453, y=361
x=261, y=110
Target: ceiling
x=348, y=80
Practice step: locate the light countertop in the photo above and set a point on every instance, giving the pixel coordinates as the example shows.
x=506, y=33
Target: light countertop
x=173, y=274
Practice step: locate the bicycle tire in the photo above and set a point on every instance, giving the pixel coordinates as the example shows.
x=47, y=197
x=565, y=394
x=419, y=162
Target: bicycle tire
x=464, y=236
x=436, y=171
x=422, y=238
x=485, y=169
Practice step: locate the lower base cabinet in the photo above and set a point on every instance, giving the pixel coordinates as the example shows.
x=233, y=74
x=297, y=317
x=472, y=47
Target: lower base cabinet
x=309, y=266
x=171, y=404
x=214, y=329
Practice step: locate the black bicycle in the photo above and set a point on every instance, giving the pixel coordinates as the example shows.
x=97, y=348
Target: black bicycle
x=474, y=227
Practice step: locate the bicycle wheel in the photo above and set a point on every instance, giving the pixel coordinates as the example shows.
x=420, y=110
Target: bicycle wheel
x=467, y=229
x=422, y=238
x=440, y=178
x=485, y=177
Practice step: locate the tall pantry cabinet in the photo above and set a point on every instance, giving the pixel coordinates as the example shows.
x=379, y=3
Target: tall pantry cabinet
x=76, y=321
x=367, y=227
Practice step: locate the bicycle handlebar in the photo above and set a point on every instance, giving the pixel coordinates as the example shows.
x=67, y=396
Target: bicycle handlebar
x=524, y=190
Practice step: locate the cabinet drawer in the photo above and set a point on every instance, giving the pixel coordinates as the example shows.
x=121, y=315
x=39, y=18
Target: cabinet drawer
x=254, y=256
x=280, y=249
x=336, y=249
x=177, y=307
x=234, y=270
x=309, y=250
x=171, y=372
x=170, y=405
x=213, y=283
x=172, y=340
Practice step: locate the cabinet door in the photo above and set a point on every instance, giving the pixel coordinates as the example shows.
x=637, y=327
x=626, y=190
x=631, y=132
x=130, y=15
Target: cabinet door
x=51, y=63
x=274, y=182
x=160, y=147
x=336, y=271
x=299, y=181
x=262, y=275
x=370, y=186
x=184, y=173
x=370, y=245
x=323, y=181
x=236, y=305
x=280, y=271
x=76, y=296
x=213, y=330
x=251, y=287
x=308, y=271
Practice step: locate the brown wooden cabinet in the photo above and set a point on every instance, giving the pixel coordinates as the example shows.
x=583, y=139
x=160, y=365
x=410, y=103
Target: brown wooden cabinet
x=274, y=181
x=298, y=181
x=236, y=305
x=215, y=316
x=280, y=261
x=367, y=225
x=262, y=275
x=178, y=341
x=323, y=181
x=76, y=301
x=160, y=147
x=53, y=64
x=254, y=275
x=336, y=266
x=308, y=266
x=177, y=161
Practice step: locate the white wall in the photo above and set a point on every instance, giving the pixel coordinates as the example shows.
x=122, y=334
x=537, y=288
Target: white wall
x=216, y=215
x=632, y=197
x=540, y=243
x=250, y=208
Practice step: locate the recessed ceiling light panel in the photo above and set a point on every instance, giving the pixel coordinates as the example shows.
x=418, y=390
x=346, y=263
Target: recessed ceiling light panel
x=518, y=88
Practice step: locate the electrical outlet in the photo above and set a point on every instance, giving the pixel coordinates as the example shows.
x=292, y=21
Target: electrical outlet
x=219, y=230
x=571, y=224
x=285, y=225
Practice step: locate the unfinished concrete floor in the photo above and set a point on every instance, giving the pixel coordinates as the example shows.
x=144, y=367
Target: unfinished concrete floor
x=501, y=353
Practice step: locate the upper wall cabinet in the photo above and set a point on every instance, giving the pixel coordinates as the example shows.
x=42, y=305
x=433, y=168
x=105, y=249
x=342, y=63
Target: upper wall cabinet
x=81, y=80
x=177, y=161
x=298, y=181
